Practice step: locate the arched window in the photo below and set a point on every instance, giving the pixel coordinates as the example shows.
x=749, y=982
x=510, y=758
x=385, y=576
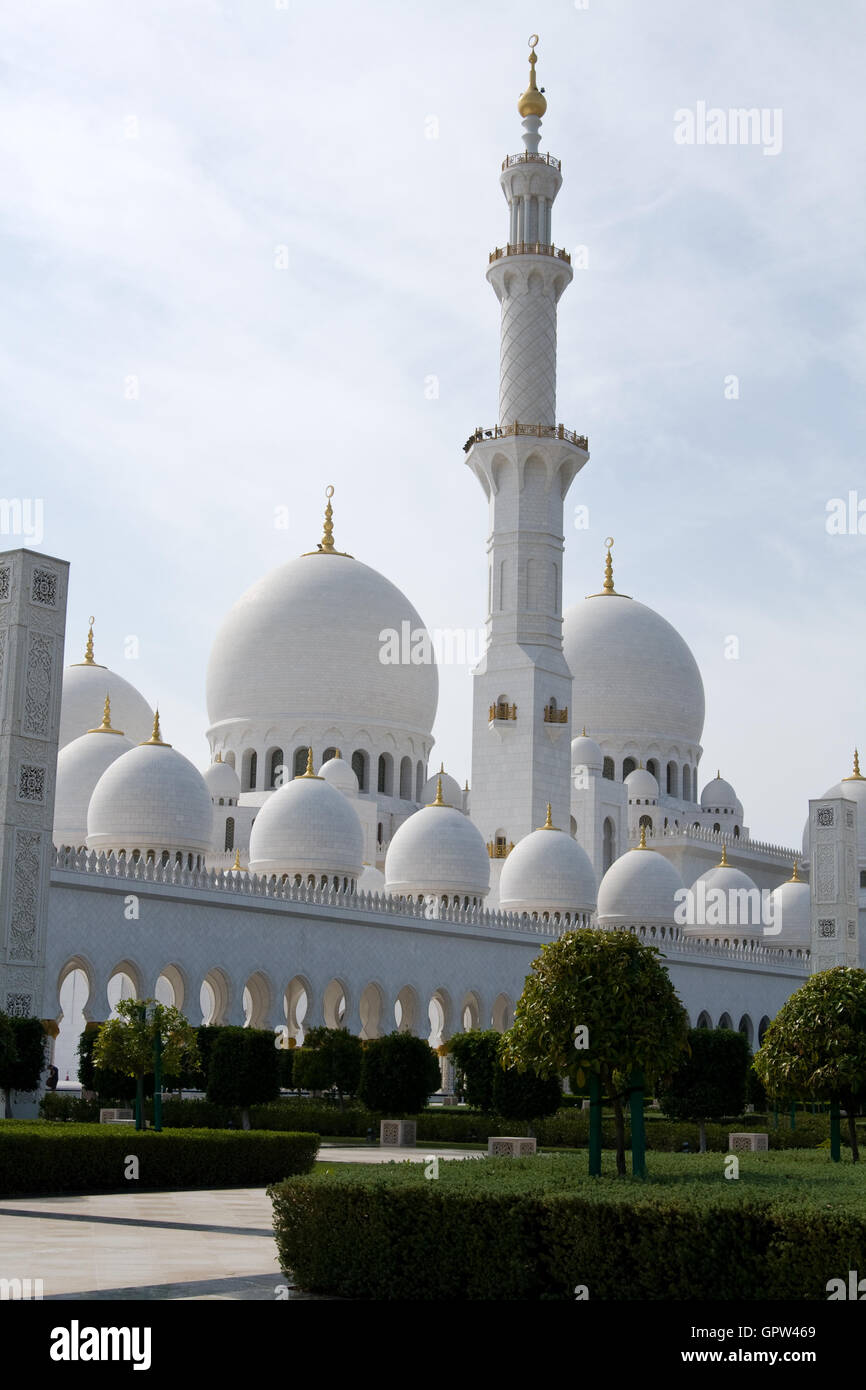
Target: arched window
x=230, y=832
x=386, y=774
x=673, y=780
x=249, y=769
x=762, y=1028
x=359, y=767
x=419, y=781
x=687, y=783
x=717, y=829
x=736, y=832
x=608, y=770
x=276, y=765
x=629, y=765
x=647, y=822
x=653, y=767
x=608, y=844
x=405, y=779
x=299, y=762
x=704, y=1020
x=379, y=832
x=328, y=754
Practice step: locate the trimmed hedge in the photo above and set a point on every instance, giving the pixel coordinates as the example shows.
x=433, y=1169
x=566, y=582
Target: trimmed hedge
x=506, y=1229
x=568, y=1128
x=41, y=1157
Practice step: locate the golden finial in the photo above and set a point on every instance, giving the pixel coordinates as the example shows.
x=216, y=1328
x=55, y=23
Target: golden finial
x=326, y=544
x=855, y=775
x=337, y=753
x=309, y=771
x=607, y=587
x=466, y=788
x=583, y=734
x=718, y=775
x=156, y=737
x=218, y=758
x=548, y=824
x=723, y=862
x=642, y=844
x=237, y=867
x=442, y=769
x=795, y=876
x=105, y=726
x=438, y=801
x=532, y=102
x=88, y=650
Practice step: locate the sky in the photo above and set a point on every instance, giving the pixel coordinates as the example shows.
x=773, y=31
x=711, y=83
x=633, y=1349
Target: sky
x=244, y=247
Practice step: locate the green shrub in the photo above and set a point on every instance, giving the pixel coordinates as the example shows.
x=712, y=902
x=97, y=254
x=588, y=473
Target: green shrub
x=93, y=1158
x=711, y=1082
x=398, y=1073
x=476, y=1057
x=243, y=1069
x=507, y=1229
x=22, y=1058
x=59, y=1105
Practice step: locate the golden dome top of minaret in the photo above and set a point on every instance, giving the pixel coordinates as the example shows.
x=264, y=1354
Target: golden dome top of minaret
x=532, y=102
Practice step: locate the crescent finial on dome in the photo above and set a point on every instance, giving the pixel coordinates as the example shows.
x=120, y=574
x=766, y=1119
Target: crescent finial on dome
x=532, y=102
x=855, y=775
x=89, y=659
x=795, y=876
x=105, y=726
x=548, y=824
x=607, y=589
x=156, y=737
x=326, y=544
x=642, y=844
x=723, y=862
x=309, y=769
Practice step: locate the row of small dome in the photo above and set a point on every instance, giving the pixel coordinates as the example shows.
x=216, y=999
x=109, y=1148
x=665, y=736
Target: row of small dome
x=718, y=796
x=150, y=799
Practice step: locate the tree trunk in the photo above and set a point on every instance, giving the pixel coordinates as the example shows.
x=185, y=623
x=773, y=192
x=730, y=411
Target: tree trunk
x=245, y=1119
x=852, y=1130
x=619, y=1125
x=8, y=1106
x=702, y=1143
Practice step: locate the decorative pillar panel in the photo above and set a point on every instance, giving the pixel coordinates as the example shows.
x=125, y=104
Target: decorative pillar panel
x=32, y=624
x=833, y=882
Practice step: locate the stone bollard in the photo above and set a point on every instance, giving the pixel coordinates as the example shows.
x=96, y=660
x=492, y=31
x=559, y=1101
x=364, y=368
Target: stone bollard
x=397, y=1134
x=748, y=1143
x=510, y=1146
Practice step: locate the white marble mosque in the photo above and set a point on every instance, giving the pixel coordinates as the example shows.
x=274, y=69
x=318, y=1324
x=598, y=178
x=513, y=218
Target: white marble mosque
x=324, y=867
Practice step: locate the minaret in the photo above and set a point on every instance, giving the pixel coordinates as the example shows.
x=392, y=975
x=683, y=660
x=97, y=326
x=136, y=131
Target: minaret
x=526, y=463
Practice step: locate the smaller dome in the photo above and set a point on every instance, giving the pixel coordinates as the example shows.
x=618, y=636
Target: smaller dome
x=792, y=914
x=547, y=872
x=437, y=851
x=307, y=829
x=85, y=686
x=221, y=780
x=720, y=795
x=732, y=914
x=151, y=799
x=585, y=752
x=853, y=788
x=640, y=888
x=641, y=785
x=79, y=767
x=339, y=774
x=452, y=794
x=372, y=880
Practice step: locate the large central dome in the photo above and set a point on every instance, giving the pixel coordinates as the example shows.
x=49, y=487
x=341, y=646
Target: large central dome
x=310, y=641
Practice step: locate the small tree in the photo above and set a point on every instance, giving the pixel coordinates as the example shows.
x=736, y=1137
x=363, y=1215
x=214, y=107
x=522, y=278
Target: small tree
x=476, y=1060
x=243, y=1069
x=815, y=1048
x=22, y=1056
x=108, y=1085
x=398, y=1073
x=127, y=1044
x=710, y=1083
x=616, y=988
x=330, y=1059
x=525, y=1095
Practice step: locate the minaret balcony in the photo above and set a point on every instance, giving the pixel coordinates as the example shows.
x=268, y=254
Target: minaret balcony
x=498, y=849
x=552, y=715
x=528, y=158
x=529, y=248
x=537, y=431
x=501, y=712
